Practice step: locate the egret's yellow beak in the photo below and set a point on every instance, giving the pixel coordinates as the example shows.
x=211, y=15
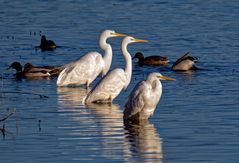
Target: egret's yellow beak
x=139, y=40
x=119, y=34
x=165, y=78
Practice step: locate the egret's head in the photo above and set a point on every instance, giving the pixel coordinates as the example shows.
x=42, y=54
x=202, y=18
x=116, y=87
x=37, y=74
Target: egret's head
x=159, y=76
x=111, y=33
x=130, y=39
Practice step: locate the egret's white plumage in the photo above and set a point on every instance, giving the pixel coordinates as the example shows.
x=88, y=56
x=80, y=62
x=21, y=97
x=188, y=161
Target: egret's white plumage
x=111, y=85
x=88, y=67
x=144, y=98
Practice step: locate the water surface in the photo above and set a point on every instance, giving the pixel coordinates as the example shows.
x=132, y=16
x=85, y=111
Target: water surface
x=196, y=119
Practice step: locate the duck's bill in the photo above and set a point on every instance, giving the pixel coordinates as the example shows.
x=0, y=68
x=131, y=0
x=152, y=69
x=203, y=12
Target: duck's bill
x=120, y=34
x=165, y=78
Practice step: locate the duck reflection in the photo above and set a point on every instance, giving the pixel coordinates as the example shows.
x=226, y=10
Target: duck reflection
x=71, y=96
x=142, y=143
x=186, y=73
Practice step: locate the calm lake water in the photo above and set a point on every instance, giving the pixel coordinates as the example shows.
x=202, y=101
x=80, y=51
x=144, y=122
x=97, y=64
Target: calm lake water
x=196, y=119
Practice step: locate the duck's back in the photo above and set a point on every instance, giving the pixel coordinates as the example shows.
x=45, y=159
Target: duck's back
x=184, y=63
x=155, y=60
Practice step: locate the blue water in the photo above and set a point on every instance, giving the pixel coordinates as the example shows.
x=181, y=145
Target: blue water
x=196, y=119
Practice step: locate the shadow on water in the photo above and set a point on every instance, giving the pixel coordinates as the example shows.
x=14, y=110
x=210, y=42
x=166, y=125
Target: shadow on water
x=142, y=142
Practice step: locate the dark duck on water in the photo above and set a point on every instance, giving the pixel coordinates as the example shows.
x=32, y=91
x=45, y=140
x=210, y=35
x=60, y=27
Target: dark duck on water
x=150, y=60
x=47, y=44
x=30, y=71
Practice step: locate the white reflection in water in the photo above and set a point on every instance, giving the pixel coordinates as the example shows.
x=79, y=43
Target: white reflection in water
x=101, y=128
x=97, y=130
x=71, y=97
x=108, y=118
x=142, y=142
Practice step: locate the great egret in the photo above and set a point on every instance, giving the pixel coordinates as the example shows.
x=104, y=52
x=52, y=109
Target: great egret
x=185, y=63
x=111, y=85
x=144, y=98
x=88, y=67
x=151, y=60
x=30, y=72
x=47, y=44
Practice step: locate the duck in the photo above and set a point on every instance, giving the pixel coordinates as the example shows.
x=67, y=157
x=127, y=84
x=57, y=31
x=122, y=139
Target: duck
x=151, y=60
x=185, y=63
x=47, y=44
x=51, y=69
x=29, y=71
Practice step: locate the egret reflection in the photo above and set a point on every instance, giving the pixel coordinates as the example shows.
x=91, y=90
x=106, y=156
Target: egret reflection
x=71, y=96
x=142, y=142
x=106, y=111
x=97, y=126
x=108, y=118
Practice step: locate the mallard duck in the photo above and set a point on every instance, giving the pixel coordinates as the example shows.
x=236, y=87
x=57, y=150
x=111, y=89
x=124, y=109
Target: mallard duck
x=150, y=60
x=30, y=71
x=51, y=69
x=47, y=44
x=185, y=63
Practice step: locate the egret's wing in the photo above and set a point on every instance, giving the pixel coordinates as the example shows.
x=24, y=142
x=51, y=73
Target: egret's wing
x=71, y=73
x=137, y=99
x=86, y=68
x=109, y=86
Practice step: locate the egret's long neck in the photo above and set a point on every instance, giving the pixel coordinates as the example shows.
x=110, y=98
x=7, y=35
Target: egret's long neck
x=128, y=66
x=108, y=54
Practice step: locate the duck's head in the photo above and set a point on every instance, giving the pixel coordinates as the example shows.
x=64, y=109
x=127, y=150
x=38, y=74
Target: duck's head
x=28, y=66
x=16, y=65
x=43, y=38
x=138, y=55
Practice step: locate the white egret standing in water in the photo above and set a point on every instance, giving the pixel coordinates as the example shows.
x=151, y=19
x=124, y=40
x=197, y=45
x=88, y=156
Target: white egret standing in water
x=88, y=67
x=144, y=98
x=111, y=85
